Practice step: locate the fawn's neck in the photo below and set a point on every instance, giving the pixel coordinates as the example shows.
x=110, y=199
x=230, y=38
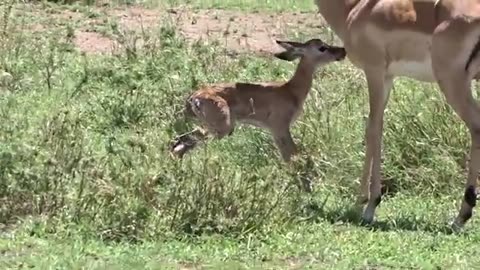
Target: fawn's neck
x=301, y=82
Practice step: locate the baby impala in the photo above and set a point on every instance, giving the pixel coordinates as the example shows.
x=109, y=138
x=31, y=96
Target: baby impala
x=272, y=106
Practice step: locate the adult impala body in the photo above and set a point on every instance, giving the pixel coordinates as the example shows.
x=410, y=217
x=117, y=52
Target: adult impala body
x=428, y=40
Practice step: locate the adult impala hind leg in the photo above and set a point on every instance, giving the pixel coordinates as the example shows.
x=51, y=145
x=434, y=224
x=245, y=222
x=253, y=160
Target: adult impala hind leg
x=454, y=73
x=456, y=87
x=379, y=87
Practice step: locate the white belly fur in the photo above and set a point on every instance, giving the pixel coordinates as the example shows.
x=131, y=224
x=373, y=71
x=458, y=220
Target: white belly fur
x=416, y=70
x=404, y=44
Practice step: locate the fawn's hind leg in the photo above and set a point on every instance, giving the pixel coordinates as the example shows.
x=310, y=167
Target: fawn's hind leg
x=214, y=113
x=284, y=141
x=187, y=141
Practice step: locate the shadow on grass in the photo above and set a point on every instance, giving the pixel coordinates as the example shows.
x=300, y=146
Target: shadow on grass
x=352, y=215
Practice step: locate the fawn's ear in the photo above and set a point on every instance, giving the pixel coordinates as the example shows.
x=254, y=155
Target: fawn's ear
x=293, y=50
x=287, y=55
x=290, y=45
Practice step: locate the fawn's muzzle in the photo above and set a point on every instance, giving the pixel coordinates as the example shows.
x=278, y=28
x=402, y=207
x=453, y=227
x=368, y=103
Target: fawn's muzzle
x=339, y=52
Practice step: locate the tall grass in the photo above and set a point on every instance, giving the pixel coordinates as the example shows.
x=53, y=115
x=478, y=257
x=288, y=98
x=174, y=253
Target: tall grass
x=84, y=140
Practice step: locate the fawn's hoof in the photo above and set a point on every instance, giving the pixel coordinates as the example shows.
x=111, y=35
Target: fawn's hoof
x=178, y=150
x=182, y=145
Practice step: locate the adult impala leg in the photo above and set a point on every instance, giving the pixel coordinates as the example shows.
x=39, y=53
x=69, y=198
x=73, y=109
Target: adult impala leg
x=470, y=196
x=454, y=73
x=379, y=87
x=456, y=88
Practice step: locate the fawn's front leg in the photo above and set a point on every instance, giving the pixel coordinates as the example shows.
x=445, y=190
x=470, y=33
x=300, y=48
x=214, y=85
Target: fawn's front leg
x=286, y=145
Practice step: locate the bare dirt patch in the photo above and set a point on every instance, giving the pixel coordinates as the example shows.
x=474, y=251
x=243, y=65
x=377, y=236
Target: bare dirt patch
x=235, y=30
x=254, y=32
x=238, y=31
x=93, y=42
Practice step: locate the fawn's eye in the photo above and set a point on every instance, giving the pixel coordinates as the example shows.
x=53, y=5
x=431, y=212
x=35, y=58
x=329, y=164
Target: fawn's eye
x=322, y=48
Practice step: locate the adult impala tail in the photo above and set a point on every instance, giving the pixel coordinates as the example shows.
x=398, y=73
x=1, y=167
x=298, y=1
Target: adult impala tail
x=273, y=106
x=428, y=40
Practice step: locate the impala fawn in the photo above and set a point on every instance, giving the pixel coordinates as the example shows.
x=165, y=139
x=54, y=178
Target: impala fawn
x=272, y=106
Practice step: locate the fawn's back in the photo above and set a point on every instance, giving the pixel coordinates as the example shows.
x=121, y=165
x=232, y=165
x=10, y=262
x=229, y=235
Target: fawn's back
x=260, y=104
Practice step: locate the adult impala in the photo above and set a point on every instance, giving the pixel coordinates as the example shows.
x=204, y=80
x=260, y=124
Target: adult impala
x=433, y=41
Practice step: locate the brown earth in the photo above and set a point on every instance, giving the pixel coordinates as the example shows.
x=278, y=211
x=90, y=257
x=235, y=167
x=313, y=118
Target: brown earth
x=236, y=30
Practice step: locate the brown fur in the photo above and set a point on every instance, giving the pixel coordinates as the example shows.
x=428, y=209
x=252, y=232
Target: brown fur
x=427, y=40
x=404, y=11
x=273, y=106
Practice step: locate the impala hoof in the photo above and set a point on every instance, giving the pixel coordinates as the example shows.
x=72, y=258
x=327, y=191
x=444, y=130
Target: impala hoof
x=457, y=226
x=366, y=220
x=182, y=145
x=368, y=215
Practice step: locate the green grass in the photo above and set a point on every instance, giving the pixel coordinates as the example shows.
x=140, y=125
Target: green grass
x=411, y=235
x=86, y=181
